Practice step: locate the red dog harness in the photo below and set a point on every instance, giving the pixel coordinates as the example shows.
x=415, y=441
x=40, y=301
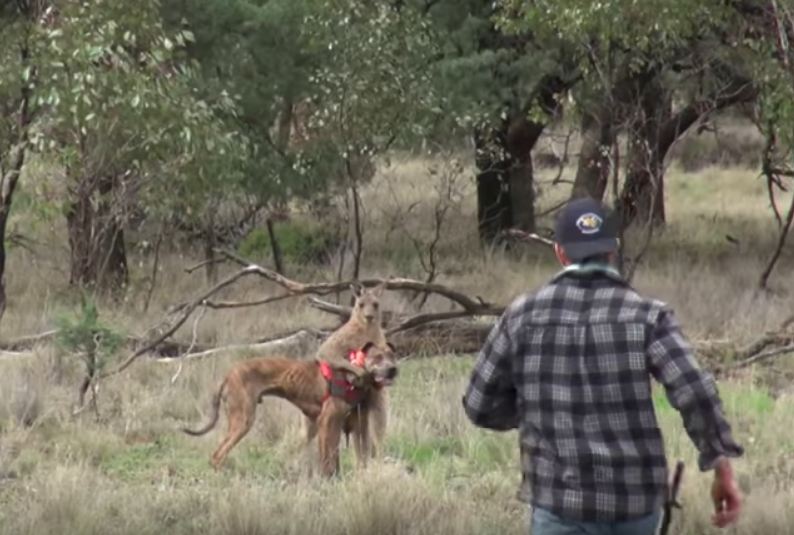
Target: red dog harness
x=338, y=386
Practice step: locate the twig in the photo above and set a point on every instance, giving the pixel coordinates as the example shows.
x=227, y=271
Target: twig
x=155, y=268
x=358, y=233
x=277, y=262
x=779, y=249
x=192, y=344
x=203, y=263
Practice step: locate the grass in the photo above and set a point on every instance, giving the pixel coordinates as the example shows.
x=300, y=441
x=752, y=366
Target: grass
x=133, y=472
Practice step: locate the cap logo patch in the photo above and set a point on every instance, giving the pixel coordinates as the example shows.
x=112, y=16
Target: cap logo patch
x=589, y=223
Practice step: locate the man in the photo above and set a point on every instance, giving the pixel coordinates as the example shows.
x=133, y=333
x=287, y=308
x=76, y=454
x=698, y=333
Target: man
x=570, y=367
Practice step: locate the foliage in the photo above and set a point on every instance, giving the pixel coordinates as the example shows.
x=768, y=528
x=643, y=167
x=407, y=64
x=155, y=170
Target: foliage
x=85, y=335
x=299, y=241
x=121, y=104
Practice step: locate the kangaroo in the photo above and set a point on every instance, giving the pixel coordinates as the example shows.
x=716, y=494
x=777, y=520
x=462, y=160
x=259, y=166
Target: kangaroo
x=364, y=326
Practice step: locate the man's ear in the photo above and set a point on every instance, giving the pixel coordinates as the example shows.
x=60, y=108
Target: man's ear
x=368, y=346
x=561, y=256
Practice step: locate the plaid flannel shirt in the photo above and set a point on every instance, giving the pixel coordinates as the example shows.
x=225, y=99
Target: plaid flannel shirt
x=570, y=367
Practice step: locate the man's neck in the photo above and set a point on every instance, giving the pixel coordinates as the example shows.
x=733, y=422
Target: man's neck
x=592, y=267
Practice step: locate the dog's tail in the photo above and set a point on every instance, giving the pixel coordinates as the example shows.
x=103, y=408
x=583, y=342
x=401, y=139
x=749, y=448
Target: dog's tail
x=216, y=404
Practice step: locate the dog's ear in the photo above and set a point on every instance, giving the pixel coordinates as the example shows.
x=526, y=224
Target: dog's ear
x=368, y=346
x=356, y=289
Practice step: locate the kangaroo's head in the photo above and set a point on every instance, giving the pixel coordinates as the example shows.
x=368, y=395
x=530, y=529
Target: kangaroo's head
x=366, y=309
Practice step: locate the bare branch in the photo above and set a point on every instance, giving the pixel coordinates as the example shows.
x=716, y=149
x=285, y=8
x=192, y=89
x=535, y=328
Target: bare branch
x=332, y=287
x=431, y=317
x=203, y=263
x=527, y=236
x=766, y=355
x=168, y=327
x=780, y=243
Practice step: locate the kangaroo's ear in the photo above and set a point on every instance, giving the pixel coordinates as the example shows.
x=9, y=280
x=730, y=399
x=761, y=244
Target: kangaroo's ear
x=378, y=290
x=356, y=289
x=391, y=346
x=368, y=346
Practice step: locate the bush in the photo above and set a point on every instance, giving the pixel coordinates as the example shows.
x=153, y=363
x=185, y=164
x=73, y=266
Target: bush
x=301, y=242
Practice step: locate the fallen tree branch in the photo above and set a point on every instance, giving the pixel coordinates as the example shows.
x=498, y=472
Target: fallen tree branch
x=304, y=337
x=218, y=305
x=431, y=317
x=26, y=342
x=325, y=288
x=410, y=322
x=165, y=332
x=760, y=357
x=528, y=237
x=342, y=311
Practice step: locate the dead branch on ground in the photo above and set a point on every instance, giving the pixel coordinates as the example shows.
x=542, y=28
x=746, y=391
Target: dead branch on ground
x=527, y=237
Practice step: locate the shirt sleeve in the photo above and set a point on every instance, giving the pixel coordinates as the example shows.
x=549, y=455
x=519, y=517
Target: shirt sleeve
x=490, y=398
x=691, y=391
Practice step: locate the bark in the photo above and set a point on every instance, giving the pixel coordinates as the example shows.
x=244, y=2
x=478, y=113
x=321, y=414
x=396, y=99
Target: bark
x=98, y=256
x=494, y=209
x=522, y=135
x=505, y=181
x=10, y=178
x=643, y=193
x=592, y=173
x=655, y=135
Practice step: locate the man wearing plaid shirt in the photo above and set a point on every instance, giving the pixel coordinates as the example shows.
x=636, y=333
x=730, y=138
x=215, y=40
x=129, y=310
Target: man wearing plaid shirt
x=569, y=366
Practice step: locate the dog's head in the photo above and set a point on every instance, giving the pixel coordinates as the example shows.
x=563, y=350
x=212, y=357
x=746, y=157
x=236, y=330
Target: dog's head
x=367, y=307
x=380, y=362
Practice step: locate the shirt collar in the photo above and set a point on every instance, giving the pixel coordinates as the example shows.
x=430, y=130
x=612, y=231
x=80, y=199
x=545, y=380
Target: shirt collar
x=590, y=268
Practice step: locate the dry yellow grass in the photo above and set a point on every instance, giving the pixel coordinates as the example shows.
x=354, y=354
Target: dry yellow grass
x=132, y=472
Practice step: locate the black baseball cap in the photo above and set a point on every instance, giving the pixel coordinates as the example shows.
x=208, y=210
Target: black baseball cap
x=585, y=229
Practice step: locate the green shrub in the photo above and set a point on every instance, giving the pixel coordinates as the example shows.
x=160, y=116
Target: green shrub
x=300, y=242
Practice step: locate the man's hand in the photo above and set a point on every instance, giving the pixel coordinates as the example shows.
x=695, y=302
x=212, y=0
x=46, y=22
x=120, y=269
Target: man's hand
x=726, y=495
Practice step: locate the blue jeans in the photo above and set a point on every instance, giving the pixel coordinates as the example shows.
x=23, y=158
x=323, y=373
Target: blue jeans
x=544, y=522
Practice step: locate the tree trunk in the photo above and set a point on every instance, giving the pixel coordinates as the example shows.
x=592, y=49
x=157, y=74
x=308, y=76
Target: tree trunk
x=522, y=135
x=16, y=161
x=642, y=198
x=494, y=209
x=592, y=173
x=96, y=239
x=505, y=181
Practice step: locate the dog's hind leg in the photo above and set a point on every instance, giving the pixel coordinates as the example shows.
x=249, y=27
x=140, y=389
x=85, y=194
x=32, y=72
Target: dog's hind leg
x=329, y=434
x=311, y=434
x=240, y=413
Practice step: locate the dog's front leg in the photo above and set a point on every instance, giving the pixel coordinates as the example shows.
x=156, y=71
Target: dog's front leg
x=378, y=411
x=329, y=434
x=361, y=437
